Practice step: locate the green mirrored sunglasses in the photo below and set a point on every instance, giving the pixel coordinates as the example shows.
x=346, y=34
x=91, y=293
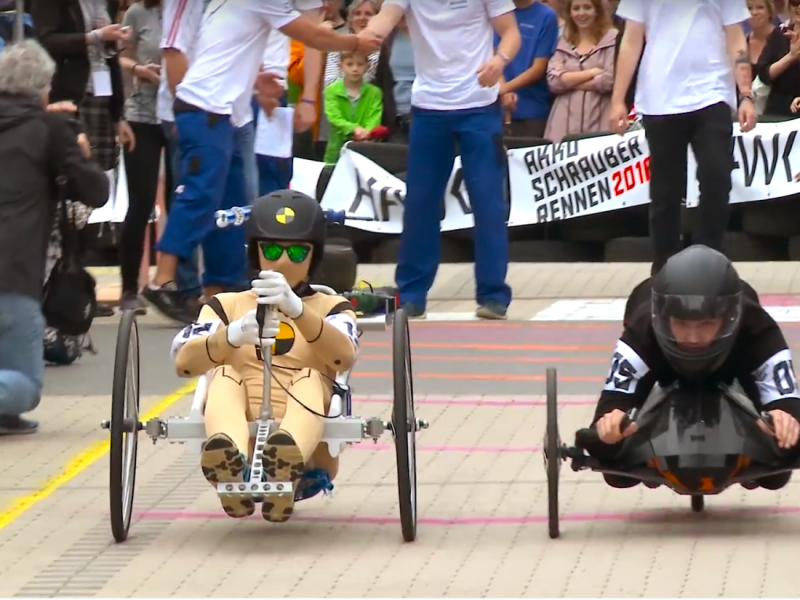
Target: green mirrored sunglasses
x=297, y=253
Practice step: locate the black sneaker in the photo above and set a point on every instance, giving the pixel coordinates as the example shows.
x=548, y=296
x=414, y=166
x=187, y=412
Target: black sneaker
x=492, y=311
x=169, y=302
x=16, y=425
x=132, y=301
x=103, y=310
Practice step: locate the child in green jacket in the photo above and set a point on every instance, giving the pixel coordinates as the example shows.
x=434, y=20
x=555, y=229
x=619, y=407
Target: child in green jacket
x=353, y=107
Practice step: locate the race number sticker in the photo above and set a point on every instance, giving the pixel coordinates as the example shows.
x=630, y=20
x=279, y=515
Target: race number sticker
x=627, y=369
x=190, y=332
x=346, y=324
x=776, y=379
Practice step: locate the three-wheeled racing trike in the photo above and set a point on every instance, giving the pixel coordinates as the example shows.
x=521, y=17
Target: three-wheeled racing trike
x=342, y=428
x=696, y=440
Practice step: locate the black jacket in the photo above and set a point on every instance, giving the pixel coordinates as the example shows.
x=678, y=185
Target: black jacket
x=784, y=88
x=31, y=143
x=60, y=29
x=760, y=359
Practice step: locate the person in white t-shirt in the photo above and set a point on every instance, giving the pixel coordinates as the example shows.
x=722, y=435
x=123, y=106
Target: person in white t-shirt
x=274, y=171
x=696, y=56
x=212, y=100
x=454, y=98
x=180, y=24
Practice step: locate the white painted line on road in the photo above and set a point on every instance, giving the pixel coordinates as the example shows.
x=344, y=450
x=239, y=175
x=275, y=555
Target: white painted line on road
x=613, y=309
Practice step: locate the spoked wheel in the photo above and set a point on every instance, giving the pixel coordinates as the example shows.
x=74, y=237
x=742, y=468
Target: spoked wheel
x=552, y=453
x=124, y=426
x=404, y=425
x=698, y=503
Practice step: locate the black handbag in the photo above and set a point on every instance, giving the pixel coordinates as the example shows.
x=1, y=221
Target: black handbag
x=70, y=297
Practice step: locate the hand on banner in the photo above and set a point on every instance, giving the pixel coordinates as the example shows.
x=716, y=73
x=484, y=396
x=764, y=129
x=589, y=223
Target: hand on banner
x=618, y=118
x=360, y=134
x=795, y=105
x=747, y=115
x=509, y=101
x=125, y=135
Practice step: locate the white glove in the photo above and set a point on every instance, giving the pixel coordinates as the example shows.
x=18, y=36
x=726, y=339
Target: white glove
x=244, y=331
x=272, y=289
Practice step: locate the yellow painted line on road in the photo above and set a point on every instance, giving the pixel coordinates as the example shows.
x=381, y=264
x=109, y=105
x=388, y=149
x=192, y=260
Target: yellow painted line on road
x=81, y=462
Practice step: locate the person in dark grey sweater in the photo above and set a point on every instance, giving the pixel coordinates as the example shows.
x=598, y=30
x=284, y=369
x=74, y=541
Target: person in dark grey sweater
x=35, y=146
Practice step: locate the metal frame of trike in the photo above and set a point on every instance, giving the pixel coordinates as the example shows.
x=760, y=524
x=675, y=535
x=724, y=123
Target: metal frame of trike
x=580, y=461
x=341, y=430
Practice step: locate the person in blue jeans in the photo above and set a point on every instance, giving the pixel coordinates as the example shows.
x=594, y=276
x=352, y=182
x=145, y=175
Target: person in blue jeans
x=524, y=90
x=455, y=98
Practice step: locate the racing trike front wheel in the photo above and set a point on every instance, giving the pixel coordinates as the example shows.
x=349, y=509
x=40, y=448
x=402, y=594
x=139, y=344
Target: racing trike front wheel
x=124, y=426
x=552, y=452
x=404, y=425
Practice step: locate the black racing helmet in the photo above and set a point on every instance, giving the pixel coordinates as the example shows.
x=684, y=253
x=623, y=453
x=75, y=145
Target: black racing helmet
x=286, y=215
x=697, y=284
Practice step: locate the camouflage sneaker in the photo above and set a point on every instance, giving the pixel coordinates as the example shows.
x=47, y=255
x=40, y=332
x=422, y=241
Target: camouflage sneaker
x=283, y=463
x=223, y=462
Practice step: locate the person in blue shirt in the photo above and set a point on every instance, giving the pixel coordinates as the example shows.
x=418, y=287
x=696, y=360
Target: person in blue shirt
x=524, y=90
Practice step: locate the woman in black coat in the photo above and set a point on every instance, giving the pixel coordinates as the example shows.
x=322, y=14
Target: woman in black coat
x=779, y=68
x=81, y=38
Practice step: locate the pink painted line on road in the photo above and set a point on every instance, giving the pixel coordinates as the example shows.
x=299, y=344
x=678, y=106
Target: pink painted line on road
x=455, y=449
x=652, y=516
x=494, y=401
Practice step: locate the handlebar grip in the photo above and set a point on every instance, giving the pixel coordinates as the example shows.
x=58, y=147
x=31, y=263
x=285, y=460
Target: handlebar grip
x=625, y=423
x=261, y=317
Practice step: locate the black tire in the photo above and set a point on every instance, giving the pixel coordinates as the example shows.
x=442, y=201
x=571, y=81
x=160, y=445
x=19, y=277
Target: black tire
x=552, y=454
x=452, y=250
x=124, y=426
x=743, y=247
x=772, y=219
x=629, y=249
x=630, y=222
x=698, y=503
x=553, y=251
x=404, y=426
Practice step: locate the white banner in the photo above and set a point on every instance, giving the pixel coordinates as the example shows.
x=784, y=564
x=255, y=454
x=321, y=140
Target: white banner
x=568, y=180
x=116, y=208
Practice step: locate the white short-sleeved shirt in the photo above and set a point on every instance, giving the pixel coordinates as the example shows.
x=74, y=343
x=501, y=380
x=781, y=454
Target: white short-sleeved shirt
x=180, y=27
x=278, y=52
x=451, y=39
x=230, y=49
x=685, y=66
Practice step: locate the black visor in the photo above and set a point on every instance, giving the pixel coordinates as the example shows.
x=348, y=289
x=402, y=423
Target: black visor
x=696, y=308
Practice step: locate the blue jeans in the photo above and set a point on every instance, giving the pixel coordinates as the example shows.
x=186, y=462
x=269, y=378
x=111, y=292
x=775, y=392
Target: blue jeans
x=246, y=139
x=21, y=351
x=430, y=163
x=187, y=276
x=211, y=178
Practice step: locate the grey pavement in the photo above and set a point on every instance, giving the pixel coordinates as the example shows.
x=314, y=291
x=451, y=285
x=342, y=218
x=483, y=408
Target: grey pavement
x=482, y=490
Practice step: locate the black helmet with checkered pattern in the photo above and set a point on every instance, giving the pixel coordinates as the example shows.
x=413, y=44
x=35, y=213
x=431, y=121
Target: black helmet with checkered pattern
x=290, y=216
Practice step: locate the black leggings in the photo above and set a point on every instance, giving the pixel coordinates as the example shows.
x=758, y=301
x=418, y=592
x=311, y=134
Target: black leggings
x=142, y=167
